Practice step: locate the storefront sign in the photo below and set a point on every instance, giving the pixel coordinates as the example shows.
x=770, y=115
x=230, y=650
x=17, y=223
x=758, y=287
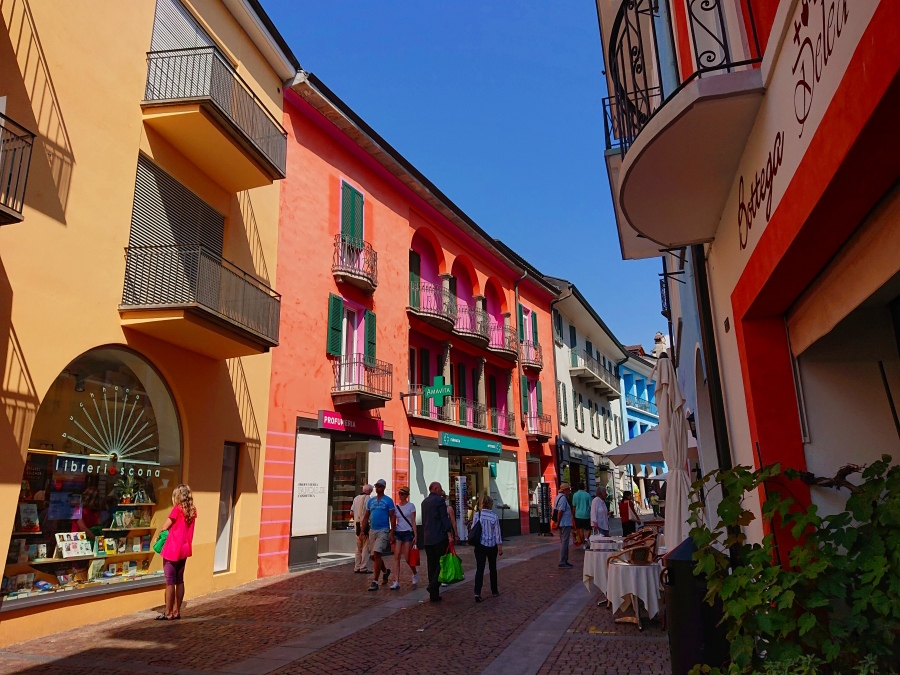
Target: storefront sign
x=438, y=391
x=68, y=464
x=335, y=421
x=312, y=464
x=470, y=443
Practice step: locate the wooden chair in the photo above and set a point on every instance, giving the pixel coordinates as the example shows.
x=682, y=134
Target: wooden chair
x=636, y=555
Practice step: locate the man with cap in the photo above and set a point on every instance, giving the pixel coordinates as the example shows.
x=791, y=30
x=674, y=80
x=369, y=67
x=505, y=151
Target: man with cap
x=363, y=550
x=562, y=514
x=381, y=517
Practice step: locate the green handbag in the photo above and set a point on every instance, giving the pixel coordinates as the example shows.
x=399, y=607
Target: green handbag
x=451, y=567
x=161, y=541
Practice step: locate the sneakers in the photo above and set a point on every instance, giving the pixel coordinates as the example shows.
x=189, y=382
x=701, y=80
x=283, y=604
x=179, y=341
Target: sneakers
x=415, y=579
x=477, y=598
x=373, y=586
x=385, y=577
x=395, y=586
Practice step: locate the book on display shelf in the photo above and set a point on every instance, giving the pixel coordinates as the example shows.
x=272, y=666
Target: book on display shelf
x=28, y=518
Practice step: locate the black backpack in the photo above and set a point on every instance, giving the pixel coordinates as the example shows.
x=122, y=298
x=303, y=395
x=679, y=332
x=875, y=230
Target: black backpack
x=475, y=533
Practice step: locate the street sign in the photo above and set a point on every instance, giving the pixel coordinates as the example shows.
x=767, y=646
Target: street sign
x=438, y=391
x=448, y=440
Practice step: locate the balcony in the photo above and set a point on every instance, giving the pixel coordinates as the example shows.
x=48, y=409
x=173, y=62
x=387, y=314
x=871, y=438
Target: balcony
x=472, y=325
x=433, y=304
x=460, y=412
x=15, y=158
x=538, y=427
x=641, y=404
x=198, y=103
x=355, y=262
x=504, y=341
x=191, y=297
x=362, y=381
x=666, y=310
x=677, y=120
x=531, y=355
x=588, y=370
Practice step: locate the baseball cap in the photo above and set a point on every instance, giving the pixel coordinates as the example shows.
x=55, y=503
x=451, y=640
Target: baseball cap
x=380, y=483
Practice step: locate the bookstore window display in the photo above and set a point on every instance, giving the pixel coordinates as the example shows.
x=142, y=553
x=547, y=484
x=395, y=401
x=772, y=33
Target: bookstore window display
x=103, y=459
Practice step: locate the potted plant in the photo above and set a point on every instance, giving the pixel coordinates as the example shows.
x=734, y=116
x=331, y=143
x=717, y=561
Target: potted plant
x=126, y=487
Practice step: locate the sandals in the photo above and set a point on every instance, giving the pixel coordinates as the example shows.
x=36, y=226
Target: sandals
x=162, y=617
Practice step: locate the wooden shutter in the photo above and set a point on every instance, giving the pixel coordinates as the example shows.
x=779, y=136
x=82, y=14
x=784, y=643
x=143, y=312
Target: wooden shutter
x=589, y=348
x=575, y=407
x=523, y=385
x=573, y=337
x=534, y=328
x=371, y=335
x=415, y=280
x=351, y=214
x=335, y=324
x=591, y=415
x=521, y=318
x=565, y=403
x=540, y=398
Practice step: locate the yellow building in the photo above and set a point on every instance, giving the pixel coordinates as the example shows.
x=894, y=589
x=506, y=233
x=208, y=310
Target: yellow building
x=140, y=156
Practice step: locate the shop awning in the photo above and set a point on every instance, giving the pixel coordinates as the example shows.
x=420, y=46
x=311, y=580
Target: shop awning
x=644, y=449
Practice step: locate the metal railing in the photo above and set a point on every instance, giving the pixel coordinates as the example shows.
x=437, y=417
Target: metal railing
x=538, y=425
x=358, y=373
x=531, y=354
x=666, y=310
x=633, y=401
x=200, y=74
x=643, y=63
x=159, y=277
x=503, y=423
x=581, y=359
x=355, y=257
x=16, y=144
x=432, y=300
x=472, y=321
x=461, y=412
x=504, y=338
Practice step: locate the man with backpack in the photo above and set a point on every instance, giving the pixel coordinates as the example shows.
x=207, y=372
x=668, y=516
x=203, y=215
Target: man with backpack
x=562, y=515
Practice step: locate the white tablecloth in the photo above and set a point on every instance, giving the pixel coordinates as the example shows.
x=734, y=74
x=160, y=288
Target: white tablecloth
x=595, y=569
x=639, y=580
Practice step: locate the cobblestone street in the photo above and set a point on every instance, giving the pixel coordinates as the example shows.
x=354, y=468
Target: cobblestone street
x=324, y=621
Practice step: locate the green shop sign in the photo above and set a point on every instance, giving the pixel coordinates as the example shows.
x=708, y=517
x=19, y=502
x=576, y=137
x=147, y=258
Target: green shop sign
x=470, y=443
x=438, y=391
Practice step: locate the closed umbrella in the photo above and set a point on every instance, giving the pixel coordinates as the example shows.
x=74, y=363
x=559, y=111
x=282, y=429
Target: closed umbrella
x=673, y=428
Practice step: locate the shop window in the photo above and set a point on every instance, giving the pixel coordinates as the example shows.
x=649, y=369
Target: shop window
x=103, y=459
x=349, y=471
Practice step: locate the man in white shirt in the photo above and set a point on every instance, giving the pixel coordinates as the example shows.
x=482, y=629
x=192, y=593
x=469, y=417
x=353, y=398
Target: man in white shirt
x=363, y=549
x=599, y=513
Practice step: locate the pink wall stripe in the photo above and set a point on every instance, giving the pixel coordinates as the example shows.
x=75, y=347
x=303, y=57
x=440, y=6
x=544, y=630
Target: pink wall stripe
x=274, y=522
x=280, y=433
x=284, y=552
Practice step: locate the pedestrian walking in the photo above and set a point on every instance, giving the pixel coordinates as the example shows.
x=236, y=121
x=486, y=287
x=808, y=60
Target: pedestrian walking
x=562, y=514
x=488, y=546
x=600, y=513
x=581, y=500
x=438, y=533
x=177, y=549
x=363, y=549
x=381, y=518
x=654, y=503
x=404, y=536
x=628, y=513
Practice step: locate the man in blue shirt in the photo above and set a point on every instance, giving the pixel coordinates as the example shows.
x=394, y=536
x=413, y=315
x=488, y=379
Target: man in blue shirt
x=381, y=518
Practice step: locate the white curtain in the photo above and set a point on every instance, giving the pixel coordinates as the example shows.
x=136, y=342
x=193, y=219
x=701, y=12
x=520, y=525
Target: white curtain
x=673, y=435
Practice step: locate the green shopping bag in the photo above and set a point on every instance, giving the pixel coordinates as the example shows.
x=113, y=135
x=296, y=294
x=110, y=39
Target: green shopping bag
x=451, y=567
x=161, y=540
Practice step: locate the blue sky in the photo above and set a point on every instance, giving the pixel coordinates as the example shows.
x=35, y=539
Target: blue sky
x=499, y=105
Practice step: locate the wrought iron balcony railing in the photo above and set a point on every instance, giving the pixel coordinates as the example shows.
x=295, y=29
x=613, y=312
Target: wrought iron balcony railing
x=504, y=338
x=633, y=401
x=503, y=423
x=581, y=359
x=538, y=425
x=458, y=411
x=360, y=374
x=356, y=260
x=179, y=277
x=472, y=322
x=16, y=143
x=666, y=310
x=646, y=70
x=531, y=354
x=432, y=301
x=205, y=75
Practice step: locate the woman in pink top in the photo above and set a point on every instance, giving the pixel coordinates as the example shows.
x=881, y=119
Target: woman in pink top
x=177, y=549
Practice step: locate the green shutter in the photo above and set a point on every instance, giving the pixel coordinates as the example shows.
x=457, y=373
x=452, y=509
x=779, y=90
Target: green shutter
x=534, y=328
x=565, y=402
x=415, y=280
x=575, y=408
x=371, y=335
x=524, y=388
x=540, y=399
x=335, y=324
x=351, y=214
x=591, y=413
x=521, y=324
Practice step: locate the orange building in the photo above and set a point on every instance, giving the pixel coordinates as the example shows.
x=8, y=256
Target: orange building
x=388, y=285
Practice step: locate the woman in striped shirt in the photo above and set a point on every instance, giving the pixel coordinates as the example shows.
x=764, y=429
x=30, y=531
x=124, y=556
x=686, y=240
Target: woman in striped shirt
x=490, y=546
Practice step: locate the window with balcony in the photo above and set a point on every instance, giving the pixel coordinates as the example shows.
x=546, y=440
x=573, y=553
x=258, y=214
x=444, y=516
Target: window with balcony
x=355, y=261
x=536, y=422
x=15, y=159
x=531, y=354
x=359, y=377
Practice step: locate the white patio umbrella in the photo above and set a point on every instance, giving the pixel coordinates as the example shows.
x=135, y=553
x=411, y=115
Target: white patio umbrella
x=673, y=431
x=644, y=449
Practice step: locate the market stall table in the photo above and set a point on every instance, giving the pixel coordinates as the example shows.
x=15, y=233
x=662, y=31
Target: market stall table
x=631, y=583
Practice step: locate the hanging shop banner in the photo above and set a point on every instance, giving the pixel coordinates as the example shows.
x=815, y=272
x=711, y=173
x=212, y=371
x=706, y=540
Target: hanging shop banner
x=470, y=443
x=335, y=421
x=312, y=459
x=461, y=507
